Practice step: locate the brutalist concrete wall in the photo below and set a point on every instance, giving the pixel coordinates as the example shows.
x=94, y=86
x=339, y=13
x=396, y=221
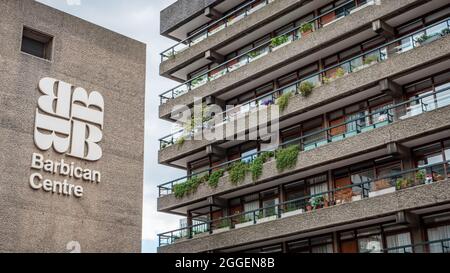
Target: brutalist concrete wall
x=422, y=196
x=180, y=12
x=289, y=53
x=261, y=17
x=108, y=217
x=394, y=66
x=377, y=139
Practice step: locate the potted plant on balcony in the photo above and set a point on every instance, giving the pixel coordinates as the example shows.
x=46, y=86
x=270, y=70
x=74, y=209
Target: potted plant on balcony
x=369, y=61
x=309, y=206
x=421, y=177
x=445, y=32
x=255, y=54
x=291, y=210
x=340, y=72
x=244, y=221
x=283, y=101
x=269, y=214
x=317, y=202
x=306, y=28
x=223, y=226
x=279, y=41
x=306, y=88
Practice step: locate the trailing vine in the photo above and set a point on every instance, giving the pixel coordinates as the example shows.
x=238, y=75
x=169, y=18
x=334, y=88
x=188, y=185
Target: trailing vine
x=238, y=172
x=190, y=186
x=256, y=167
x=213, y=180
x=283, y=101
x=287, y=158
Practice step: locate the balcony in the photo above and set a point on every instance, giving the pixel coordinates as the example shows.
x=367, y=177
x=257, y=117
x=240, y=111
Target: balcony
x=256, y=53
x=360, y=71
x=294, y=54
x=214, y=27
x=381, y=196
x=401, y=123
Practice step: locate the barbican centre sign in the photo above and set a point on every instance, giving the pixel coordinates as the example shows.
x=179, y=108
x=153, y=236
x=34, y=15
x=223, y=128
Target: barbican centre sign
x=69, y=121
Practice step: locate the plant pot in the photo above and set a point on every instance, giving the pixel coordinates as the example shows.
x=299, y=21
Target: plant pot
x=242, y=225
x=292, y=213
x=266, y=219
x=382, y=192
x=309, y=208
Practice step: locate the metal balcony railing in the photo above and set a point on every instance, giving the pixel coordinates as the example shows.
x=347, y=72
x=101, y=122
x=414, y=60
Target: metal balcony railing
x=214, y=27
x=377, y=119
x=403, y=44
x=351, y=193
x=245, y=58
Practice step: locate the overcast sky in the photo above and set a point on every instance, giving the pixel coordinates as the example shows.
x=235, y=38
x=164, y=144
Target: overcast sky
x=139, y=19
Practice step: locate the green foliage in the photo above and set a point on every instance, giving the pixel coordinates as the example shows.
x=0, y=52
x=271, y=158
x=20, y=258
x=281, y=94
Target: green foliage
x=283, y=100
x=317, y=201
x=403, y=183
x=306, y=88
x=256, y=167
x=421, y=175
x=370, y=59
x=213, y=180
x=340, y=72
x=180, y=142
x=190, y=186
x=422, y=39
x=306, y=27
x=279, y=40
x=254, y=53
x=287, y=158
x=224, y=223
x=238, y=172
x=445, y=31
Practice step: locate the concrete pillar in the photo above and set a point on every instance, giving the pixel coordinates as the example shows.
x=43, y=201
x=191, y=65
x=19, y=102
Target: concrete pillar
x=382, y=28
x=215, y=57
x=212, y=13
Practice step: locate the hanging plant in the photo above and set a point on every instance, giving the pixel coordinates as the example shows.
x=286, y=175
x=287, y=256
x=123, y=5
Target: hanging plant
x=287, y=158
x=238, y=172
x=256, y=167
x=283, y=101
x=213, y=180
x=190, y=186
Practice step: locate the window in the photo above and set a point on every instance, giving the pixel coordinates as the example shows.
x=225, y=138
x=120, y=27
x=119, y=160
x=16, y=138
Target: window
x=399, y=240
x=436, y=234
x=37, y=43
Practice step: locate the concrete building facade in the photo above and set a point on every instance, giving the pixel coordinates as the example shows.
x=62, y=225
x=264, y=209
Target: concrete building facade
x=71, y=159
x=363, y=94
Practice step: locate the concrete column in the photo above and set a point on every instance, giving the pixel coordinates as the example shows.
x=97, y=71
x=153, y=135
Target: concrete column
x=212, y=13
x=215, y=57
x=383, y=29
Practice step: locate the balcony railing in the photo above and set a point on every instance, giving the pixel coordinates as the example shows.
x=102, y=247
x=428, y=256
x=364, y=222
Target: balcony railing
x=413, y=107
x=255, y=53
x=436, y=246
x=404, y=44
x=214, y=27
x=351, y=193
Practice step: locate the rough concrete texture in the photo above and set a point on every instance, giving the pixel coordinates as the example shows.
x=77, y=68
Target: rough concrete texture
x=289, y=53
x=261, y=17
x=421, y=196
x=108, y=218
x=182, y=11
x=395, y=65
x=400, y=131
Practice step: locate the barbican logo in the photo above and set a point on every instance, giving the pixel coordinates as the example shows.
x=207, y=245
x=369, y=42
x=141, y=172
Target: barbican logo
x=69, y=119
